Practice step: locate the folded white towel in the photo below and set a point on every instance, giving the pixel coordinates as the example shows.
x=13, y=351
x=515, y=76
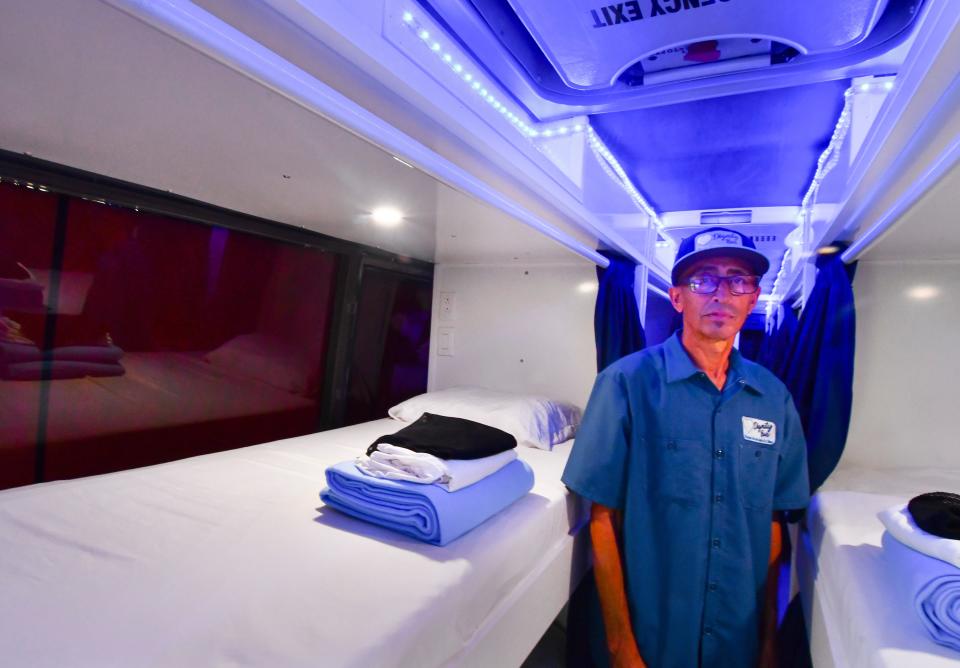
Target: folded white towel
x=396, y=463
x=901, y=526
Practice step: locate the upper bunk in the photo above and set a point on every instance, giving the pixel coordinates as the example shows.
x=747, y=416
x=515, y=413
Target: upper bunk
x=620, y=127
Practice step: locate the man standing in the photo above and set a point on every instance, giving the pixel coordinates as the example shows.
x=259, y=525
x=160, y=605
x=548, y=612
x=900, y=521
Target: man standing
x=694, y=448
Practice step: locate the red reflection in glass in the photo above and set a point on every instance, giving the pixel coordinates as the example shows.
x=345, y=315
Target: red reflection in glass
x=174, y=339
x=27, y=222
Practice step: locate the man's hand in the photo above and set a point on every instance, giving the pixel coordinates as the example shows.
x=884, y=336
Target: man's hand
x=768, y=646
x=608, y=570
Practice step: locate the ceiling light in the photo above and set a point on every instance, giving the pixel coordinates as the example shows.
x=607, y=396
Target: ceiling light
x=923, y=292
x=587, y=287
x=387, y=216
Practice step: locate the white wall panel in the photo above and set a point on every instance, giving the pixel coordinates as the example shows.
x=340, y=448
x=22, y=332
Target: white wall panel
x=519, y=328
x=905, y=406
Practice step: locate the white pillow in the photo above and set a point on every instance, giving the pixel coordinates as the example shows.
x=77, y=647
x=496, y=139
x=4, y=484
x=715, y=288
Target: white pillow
x=534, y=421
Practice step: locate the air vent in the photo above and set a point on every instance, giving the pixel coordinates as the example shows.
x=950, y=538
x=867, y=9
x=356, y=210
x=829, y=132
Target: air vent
x=726, y=217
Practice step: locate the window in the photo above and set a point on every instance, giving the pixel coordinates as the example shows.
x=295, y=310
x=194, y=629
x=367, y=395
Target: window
x=391, y=345
x=151, y=338
x=27, y=226
x=131, y=337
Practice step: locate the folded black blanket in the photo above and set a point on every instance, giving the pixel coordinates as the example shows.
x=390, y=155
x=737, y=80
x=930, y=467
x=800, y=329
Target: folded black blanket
x=937, y=513
x=449, y=438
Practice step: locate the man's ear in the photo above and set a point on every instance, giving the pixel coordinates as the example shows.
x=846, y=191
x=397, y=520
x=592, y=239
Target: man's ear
x=674, y=293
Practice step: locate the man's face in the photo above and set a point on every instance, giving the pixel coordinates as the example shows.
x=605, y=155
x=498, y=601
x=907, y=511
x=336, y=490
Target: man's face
x=718, y=316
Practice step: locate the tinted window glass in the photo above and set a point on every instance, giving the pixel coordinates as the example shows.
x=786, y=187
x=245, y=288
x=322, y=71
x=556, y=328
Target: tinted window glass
x=391, y=345
x=27, y=224
x=164, y=339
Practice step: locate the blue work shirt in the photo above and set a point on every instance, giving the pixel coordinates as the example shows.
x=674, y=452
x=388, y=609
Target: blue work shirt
x=697, y=473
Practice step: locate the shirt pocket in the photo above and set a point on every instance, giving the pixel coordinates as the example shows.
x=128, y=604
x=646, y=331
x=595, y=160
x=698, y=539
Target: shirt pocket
x=679, y=474
x=758, y=474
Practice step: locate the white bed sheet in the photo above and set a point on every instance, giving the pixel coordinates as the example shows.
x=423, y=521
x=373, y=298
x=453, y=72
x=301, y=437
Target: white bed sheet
x=230, y=559
x=860, y=613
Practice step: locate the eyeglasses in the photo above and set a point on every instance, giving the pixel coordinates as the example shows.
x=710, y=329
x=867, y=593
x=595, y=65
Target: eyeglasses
x=707, y=284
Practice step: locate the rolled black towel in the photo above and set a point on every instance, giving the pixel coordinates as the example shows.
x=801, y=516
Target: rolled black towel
x=449, y=438
x=937, y=513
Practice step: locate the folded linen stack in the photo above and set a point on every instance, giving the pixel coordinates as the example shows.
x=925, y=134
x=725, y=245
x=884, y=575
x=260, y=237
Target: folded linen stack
x=934, y=583
x=20, y=359
x=433, y=480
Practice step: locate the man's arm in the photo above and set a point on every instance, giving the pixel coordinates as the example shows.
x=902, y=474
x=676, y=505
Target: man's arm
x=608, y=571
x=768, y=646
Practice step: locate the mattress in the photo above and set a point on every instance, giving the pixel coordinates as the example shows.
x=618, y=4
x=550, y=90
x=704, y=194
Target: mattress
x=859, y=609
x=231, y=559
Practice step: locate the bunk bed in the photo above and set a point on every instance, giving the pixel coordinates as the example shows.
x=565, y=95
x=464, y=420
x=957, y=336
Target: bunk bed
x=856, y=580
x=230, y=558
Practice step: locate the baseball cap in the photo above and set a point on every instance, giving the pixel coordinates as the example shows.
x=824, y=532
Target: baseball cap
x=718, y=242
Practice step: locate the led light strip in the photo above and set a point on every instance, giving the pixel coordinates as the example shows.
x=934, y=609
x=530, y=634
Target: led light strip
x=483, y=89
x=825, y=164
x=616, y=172
x=529, y=128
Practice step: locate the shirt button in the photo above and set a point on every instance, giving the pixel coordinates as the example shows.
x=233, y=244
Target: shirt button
x=716, y=542
x=742, y=381
x=708, y=630
x=719, y=454
x=718, y=498
x=671, y=445
x=712, y=586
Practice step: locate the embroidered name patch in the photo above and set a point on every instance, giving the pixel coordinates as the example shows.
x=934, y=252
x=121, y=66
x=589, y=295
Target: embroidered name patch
x=759, y=431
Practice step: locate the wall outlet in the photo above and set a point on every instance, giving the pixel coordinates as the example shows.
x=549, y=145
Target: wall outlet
x=447, y=306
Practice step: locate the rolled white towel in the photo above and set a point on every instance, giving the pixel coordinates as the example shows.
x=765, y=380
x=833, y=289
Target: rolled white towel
x=901, y=526
x=398, y=463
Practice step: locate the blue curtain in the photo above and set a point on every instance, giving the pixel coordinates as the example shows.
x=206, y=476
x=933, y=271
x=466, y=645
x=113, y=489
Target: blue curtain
x=776, y=346
x=818, y=366
x=616, y=319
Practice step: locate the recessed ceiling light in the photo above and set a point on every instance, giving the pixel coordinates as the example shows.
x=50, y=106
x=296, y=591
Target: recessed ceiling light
x=587, y=287
x=923, y=292
x=387, y=216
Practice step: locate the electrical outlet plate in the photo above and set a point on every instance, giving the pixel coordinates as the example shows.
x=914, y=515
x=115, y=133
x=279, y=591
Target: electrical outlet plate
x=445, y=341
x=447, y=306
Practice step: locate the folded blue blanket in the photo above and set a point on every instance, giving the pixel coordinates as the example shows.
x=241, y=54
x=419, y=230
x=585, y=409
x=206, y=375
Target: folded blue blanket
x=938, y=603
x=426, y=512
x=14, y=353
x=58, y=370
x=931, y=585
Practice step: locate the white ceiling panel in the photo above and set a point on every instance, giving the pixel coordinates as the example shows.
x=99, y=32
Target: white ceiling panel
x=87, y=86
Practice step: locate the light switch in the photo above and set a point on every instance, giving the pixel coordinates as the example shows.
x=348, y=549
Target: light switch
x=445, y=341
x=447, y=306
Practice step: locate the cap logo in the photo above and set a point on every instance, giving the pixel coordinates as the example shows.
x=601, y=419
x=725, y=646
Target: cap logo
x=719, y=239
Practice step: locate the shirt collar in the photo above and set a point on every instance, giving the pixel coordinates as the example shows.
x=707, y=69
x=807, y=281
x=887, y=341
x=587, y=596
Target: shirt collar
x=679, y=365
